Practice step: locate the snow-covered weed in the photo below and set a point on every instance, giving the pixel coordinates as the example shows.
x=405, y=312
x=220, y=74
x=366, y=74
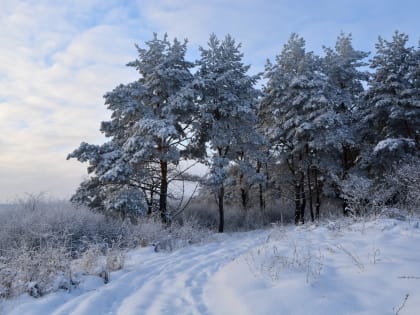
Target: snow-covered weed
x=353, y=256
x=399, y=308
x=36, y=271
x=375, y=255
x=41, y=240
x=114, y=259
x=181, y=235
x=100, y=261
x=269, y=262
x=90, y=260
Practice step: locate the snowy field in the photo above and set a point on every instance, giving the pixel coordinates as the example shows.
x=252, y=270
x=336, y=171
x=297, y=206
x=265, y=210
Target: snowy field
x=335, y=268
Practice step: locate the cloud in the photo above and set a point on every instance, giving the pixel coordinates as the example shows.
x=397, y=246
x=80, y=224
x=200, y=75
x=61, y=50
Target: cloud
x=57, y=59
x=51, y=92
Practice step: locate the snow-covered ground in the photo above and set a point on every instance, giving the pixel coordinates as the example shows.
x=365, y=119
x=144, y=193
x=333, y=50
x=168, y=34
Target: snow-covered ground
x=335, y=268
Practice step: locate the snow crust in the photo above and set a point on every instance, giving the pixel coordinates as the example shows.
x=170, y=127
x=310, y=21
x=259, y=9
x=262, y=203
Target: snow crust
x=335, y=268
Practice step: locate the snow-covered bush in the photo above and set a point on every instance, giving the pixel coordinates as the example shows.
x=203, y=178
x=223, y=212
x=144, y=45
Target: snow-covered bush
x=181, y=234
x=357, y=191
x=36, y=271
x=39, y=238
x=45, y=243
x=404, y=183
x=99, y=260
x=396, y=193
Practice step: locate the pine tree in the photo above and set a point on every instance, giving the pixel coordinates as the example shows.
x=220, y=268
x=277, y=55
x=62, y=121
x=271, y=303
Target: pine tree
x=148, y=130
x=226, y=99
x=392, y=113
x=341, y=65
x=298, y=117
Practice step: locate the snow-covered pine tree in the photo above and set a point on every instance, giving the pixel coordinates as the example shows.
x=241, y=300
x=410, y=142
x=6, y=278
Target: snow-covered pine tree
x=109, y=167
x=391, y=116
x=414, y=77
x=147, y=131
x=298, y=117
x=341, y=65
x=226, y=119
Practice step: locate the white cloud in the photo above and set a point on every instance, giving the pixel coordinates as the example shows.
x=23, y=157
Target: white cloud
x=51, y=94
x=58, y=58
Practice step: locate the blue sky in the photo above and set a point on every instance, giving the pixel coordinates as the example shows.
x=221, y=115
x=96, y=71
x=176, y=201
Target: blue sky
x=57, y=59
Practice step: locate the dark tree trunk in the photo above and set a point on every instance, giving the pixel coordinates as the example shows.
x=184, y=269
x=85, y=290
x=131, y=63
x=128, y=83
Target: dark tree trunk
x=148, y=194
x=311, y=209
x=244, y=199
x=317, y=194
x=296, y=186
x=302, y=197
x=149, y=208
x=345, y=169
x=243, y=192
x=220, y=195
x=260, y=189
x=163, y=197
x=261, y=197
x=297, y=202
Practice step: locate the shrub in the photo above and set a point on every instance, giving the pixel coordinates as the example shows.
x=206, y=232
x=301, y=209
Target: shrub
x=39, y=239
x=44, y=242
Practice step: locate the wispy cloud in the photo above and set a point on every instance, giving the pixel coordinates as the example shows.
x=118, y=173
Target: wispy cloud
x=57, y=59
x=54, y=72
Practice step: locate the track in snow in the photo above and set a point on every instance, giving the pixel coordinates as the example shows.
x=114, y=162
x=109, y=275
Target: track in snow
x=151, y=283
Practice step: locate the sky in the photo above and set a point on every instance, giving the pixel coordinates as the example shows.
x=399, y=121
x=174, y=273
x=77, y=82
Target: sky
x=58, y=59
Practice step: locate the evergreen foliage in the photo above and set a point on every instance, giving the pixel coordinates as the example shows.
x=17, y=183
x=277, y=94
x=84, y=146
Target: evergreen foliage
x=322, y=127
x=148, y=129
x=226, y=118
x=391, y=116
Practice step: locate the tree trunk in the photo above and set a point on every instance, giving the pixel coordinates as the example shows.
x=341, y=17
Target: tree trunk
x=317, y=193
x=261, y=195
x=243, y=192
x=163, y=197
x=244, y=199
x=260, y=189
x=311, y=209
x=297, y=202
x=149, y=207
x=296, y=184
x=345, y=169
x=221, y=194
x=302, y=197
x=149, y=201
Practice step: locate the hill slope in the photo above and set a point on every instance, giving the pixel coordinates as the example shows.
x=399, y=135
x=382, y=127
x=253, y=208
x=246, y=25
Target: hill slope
x=335, y=268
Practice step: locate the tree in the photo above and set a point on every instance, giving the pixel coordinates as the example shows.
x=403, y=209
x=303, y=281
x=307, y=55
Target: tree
x=148, y=129
x=341, y=65
x=298, y=117
x=108, y=190
x=226, y=99
x=391, y=113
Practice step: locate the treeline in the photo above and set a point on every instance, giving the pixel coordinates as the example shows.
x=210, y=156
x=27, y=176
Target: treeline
x=321, y=127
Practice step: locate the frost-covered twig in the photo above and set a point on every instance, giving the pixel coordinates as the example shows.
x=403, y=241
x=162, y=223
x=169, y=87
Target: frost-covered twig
x=402, y=304
x=357, y=261
x=409, y=277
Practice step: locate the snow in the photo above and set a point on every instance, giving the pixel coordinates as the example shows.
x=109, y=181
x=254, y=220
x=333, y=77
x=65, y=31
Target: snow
x=392, y=144
x=363, y=269
x=341, y=267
